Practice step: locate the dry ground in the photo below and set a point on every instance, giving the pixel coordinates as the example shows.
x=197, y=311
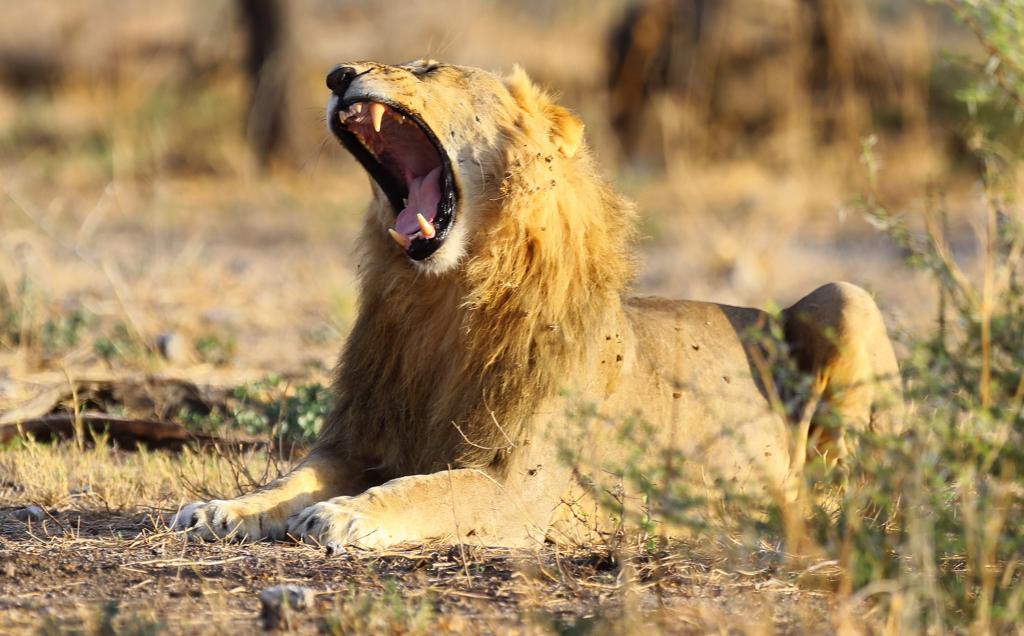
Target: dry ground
x=102, y=552
x=133, y=207
x=104, y=559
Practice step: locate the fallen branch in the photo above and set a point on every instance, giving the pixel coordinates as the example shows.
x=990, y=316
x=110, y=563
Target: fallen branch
x=126, y=432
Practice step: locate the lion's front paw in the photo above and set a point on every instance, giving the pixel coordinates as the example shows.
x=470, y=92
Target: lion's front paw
x=230, y=519
x=339, y=523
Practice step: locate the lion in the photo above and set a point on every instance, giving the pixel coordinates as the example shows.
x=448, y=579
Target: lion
x=495, y=339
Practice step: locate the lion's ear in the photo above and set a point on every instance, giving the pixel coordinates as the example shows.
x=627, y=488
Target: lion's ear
x=566, y=130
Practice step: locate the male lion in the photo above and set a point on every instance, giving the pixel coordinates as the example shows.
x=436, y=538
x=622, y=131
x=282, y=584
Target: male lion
x=492, y=310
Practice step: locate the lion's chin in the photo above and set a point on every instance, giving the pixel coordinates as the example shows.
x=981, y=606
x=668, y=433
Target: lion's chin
x=447, y=257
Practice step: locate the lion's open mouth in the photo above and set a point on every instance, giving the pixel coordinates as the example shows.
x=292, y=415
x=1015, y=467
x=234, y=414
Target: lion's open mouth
x=404, y=157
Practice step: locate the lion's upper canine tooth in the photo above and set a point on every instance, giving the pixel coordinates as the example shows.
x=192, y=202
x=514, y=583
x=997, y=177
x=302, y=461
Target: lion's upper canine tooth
x=425, y=226
x=400, y=238
x=377, y=113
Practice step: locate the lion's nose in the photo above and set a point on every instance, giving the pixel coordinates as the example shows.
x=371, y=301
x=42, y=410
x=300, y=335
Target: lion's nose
x=340, y=77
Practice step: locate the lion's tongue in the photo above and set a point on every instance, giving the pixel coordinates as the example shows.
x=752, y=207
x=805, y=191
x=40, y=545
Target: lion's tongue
x=424, y=195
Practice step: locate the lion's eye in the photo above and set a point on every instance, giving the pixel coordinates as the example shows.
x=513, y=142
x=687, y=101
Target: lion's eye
x=426, y=69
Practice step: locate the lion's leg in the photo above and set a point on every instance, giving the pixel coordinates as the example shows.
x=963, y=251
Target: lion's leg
x=838, y=336
x=264, y=513
x=460, y=505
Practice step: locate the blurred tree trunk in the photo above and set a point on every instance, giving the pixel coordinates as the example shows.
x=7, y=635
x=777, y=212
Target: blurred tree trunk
x=834, y=58
x=266, y=27
x=715, y=75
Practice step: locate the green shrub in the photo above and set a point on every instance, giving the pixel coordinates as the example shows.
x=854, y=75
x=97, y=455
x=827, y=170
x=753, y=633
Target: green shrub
x=270, y=407
x=933, y=518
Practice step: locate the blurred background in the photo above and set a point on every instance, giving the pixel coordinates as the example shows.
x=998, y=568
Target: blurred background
x=170, y=201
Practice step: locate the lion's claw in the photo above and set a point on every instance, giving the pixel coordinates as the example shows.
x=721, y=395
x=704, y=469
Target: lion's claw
x=338, y=524
x=219, y=519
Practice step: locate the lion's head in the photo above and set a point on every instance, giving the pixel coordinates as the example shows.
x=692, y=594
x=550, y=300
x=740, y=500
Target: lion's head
x=507, y=252
x=435, y=138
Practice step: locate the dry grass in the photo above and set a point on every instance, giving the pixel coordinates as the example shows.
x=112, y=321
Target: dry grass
x=103, y=478
x=106, y=557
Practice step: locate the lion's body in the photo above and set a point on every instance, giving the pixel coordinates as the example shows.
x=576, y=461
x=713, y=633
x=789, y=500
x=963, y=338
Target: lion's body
x=465, y=381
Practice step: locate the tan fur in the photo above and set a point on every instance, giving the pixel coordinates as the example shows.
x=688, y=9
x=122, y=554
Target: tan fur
x=468, y=377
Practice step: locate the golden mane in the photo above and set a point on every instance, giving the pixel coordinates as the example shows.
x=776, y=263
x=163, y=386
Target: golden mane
x=446, y=370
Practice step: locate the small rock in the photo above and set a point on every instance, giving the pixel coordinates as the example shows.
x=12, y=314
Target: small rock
x=221, y=316
x=10, y=485
x=275, y=599
x=30, y=513
x=7, y=386
x=81, y=491
x=172, y=347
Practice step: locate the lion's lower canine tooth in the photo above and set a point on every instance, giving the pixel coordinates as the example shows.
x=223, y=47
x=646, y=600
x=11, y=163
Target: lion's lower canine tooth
x=425, y=226
x=377, y=112
x=400, y=238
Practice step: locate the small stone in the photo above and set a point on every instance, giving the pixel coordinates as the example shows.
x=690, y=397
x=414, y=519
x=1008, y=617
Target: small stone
x=8, y=387
x=275, y=599
x=30, y=513
x=335, y=548
x=81, y=491
x=172, y=346
x=221, y=316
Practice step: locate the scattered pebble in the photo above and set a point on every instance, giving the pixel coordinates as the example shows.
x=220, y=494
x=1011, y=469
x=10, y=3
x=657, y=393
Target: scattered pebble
x=10, y=485
x=221, y=316
x=172, y=346
x=30, y=513
x=81, y=491
x=334, y=548
x=275, y=599
x=8, y=387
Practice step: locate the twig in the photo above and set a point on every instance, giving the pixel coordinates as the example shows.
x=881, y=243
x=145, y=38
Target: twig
x=125, y=430
x=182, y=562
x=458, y=533
x=77, y=406
x=997, y=73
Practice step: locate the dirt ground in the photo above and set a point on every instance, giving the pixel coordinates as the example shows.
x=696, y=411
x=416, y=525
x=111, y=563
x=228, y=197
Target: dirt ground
x=85, y=549
x=71, y=572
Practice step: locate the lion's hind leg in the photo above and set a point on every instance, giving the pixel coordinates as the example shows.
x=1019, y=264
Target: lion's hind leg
x=837, y=335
